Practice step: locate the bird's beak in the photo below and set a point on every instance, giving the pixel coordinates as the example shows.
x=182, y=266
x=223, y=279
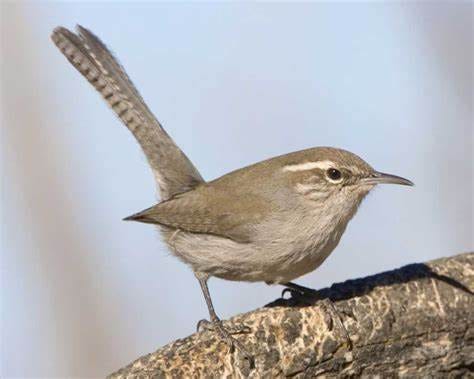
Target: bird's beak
x=382, y=178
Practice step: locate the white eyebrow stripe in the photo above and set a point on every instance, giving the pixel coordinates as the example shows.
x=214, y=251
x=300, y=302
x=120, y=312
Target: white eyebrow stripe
x=323, y=165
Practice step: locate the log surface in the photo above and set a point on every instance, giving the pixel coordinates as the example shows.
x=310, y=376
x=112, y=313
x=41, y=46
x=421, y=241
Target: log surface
x=416, y=321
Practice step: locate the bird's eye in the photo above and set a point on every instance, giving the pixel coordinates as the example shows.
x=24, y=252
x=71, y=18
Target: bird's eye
x=334, y=174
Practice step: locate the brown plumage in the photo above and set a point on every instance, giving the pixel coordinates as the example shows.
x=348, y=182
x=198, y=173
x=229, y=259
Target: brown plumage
x=272, y=221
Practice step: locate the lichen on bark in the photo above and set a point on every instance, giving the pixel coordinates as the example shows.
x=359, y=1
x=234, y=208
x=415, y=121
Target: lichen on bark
x=416, y=321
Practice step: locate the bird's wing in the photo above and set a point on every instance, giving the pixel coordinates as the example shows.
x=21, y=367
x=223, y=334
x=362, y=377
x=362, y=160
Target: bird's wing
x=210, y=211
x=173, y=171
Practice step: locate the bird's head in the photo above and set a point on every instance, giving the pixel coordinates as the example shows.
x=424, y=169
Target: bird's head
x=333, y=177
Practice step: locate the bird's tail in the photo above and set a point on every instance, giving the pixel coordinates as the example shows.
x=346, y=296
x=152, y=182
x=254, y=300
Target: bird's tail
x=173, y=171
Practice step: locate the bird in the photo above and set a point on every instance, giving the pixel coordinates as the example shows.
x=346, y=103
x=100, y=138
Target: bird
x=273, y=221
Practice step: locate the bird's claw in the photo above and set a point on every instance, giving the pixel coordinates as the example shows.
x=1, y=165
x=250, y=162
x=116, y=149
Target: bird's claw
x=226, y=335
x=299, y=295
x=204, y=324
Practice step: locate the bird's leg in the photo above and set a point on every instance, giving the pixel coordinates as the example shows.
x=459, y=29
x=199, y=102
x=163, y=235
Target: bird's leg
x=301, y=291
x=216, y=324
x=206, y=324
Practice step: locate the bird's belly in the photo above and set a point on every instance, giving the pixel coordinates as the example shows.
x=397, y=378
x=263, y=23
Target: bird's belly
x=219, y=257
x=271, y=262
x=300, y=263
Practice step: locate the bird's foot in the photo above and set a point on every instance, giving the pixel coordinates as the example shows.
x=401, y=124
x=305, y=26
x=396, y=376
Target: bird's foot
x=297, y=295
x=331, y=315
x=210, y=325
x=300, y=293
x=226, y=335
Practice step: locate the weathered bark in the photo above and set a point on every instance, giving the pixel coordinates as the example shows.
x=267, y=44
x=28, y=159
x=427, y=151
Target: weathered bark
x=417, y=321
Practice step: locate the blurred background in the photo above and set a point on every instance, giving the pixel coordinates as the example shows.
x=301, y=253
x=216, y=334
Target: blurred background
x=83, y=293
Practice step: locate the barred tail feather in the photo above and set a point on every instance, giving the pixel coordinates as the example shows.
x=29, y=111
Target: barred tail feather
x=173, y=171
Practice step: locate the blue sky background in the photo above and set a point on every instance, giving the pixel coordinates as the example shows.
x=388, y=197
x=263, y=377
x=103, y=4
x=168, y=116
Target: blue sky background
x=84, y=293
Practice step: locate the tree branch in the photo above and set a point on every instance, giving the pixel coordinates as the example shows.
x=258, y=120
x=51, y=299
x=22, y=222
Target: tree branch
x=414, y=321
